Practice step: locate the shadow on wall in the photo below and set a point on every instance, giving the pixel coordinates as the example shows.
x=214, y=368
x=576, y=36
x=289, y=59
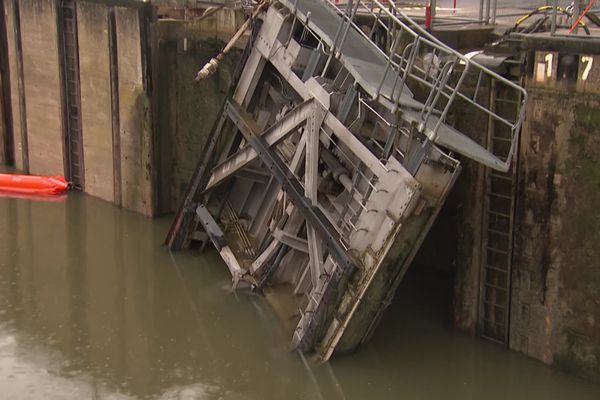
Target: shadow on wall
x=186, y=111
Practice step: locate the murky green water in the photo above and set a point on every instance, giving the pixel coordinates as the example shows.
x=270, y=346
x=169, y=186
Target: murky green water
x=92, y=306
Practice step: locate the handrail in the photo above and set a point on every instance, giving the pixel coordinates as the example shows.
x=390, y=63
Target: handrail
x=446, y=83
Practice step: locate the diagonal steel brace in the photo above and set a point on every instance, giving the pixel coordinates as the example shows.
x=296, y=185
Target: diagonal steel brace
x=289, y=183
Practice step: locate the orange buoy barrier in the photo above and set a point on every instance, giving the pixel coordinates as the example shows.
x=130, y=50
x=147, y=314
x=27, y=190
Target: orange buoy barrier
x=32, y=184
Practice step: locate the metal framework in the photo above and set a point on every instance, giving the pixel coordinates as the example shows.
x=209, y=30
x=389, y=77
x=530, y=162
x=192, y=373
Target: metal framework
x=332, y=159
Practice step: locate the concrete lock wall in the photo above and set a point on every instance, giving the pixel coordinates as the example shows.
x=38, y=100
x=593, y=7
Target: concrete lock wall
x=96, y=104
x=123, y=52
x=186, y=109
x=555, y=280
x=42, y=86
x=114, y=76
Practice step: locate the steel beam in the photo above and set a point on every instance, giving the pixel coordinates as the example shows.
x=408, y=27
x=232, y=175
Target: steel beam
x=290, y=184
x=311, y=183
x=288, y=124
x=217, y=237
x=291, y=241
x=183, y=225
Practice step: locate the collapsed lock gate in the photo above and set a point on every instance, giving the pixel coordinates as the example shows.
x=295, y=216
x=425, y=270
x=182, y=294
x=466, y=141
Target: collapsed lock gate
x=331, y=160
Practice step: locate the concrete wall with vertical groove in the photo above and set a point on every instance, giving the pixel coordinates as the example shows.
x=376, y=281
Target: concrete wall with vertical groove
x=42, y=86
x=9, y=15
x=134, y=106
x=96, y=115
x=42, y=65
x=131, y=165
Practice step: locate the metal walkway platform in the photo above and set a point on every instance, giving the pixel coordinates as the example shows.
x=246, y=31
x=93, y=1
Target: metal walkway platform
x=366, y=63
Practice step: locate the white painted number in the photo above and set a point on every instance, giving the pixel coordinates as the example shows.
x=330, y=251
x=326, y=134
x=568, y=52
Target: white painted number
x=587, y=61
x=548, y=60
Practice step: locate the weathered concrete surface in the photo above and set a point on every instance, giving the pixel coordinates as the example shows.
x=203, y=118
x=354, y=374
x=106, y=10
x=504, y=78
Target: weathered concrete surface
x=4, y=150
x=467, y=197
x=187, y=111
x=134, y=117
x=94, y=65
x=14, y=91
x=556, y=280
x=128, y=165
x=42, y=86
x=220, y=25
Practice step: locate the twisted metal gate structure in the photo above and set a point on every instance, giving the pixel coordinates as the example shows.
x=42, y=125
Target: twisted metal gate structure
x=332, y=159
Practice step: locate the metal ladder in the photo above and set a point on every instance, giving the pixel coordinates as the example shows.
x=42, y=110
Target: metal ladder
x=75, y=168
x=498, y=224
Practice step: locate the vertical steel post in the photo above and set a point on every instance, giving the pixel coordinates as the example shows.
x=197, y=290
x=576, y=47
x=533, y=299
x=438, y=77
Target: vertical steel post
x=554, y=11
x=428, y=16
x=493, y=7
x=481, y=10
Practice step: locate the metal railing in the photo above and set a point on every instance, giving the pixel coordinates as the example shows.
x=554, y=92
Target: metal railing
x=415, y=58
x=573, y=16
x=483, y=13
x=486, y=14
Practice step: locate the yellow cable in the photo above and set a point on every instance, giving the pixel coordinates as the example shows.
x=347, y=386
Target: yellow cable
x=540, y=9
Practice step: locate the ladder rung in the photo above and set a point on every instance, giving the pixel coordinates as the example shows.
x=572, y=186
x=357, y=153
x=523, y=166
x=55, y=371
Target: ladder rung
x=507, y=101
x=506, y=178
x=494, y=304
x=493, y=339
x=501, y=139
x=493, y=322
x=499, y=214
x=498, y=232
x=495, y=286
x=497, y=250
x=496, y=269
x=502, y=196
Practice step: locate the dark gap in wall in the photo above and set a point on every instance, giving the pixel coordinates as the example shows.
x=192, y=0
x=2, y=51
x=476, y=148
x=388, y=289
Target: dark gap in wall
x=6, y=130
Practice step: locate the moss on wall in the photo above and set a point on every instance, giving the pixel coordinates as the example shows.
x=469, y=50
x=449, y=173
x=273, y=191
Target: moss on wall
x=578, y=346
x=187, y=110
x=556, y=280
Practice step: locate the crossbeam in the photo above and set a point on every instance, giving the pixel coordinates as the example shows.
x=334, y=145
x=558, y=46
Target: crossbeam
x=287, y=125
x=289, y=183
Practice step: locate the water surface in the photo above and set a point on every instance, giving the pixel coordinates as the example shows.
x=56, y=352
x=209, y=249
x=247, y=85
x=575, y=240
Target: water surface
x=92, y=306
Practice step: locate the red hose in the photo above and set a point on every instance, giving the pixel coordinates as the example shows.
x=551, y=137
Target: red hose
x=428, y=16
x=587, y=9
x=31, y=184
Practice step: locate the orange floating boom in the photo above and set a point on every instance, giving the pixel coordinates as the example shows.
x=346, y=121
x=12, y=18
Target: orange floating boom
x=32, y=184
